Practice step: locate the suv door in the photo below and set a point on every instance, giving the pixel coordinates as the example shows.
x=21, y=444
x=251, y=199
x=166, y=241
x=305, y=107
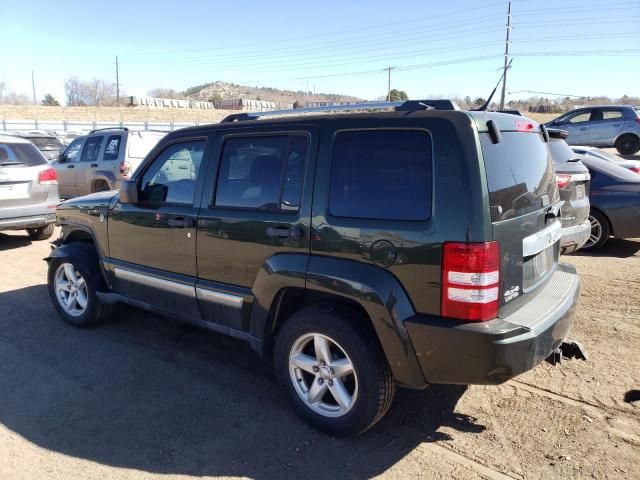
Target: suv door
x=257, y=204
x=88, y=164
x=66, y=170
x=152, y=244
x=606, y=125
x=578, y=125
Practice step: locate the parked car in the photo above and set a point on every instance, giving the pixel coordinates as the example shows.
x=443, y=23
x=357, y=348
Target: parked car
x=615, y=202
x=603, y=126
x=28, y=189
x=364, y=251
x=101, y=160
x=633, y=165
x=573, y=181
x=47, y=143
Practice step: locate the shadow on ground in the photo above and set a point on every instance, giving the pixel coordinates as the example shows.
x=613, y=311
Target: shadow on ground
x=9, y=242
x=147, y=393
x=615, y=247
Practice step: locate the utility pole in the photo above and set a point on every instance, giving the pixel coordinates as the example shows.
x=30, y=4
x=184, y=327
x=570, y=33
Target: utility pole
x=117, y=83
x=506, y=58
x=33, y=86
x=389, y=68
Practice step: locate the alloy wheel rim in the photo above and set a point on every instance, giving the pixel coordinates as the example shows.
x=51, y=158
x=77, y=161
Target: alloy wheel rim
x=323, y=375
x=596, y=232
x=71, y=290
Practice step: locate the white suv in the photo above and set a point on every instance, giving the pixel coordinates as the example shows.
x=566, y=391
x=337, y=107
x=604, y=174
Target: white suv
x=102, y=159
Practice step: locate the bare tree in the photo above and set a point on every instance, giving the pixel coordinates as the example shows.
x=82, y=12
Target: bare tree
x=166, y=93
x=96, y=92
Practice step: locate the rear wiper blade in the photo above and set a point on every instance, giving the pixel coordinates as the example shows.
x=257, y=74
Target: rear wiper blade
x=576, y=159
x=11, y=163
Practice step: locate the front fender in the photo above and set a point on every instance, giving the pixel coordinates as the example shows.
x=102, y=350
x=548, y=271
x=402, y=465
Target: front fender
x=86, y=256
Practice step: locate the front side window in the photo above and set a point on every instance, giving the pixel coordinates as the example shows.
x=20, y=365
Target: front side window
x=262, y=172
x=112, y=150
x=381, y=174
x=172, y=176
x=580, y=118
x=72, y=152
x=91, y=150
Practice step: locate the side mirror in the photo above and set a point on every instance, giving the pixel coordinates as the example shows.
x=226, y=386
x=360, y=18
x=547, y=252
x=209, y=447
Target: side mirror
x=129, y=192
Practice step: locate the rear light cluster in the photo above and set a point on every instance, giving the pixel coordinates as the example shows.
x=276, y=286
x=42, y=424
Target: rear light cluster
x=635, y=169
x=470, y=280
x=562, y=180
x=48, y=177
x=524, y=126
x=125, y=169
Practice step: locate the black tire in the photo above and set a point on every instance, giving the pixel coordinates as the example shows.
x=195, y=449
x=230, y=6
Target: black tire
x=101, y=186
x=94, y=312
x=628, y=144
x=41, y=233
x=595, y=217
x=376, y=386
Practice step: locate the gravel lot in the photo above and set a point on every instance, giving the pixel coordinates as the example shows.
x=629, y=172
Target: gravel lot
x=145, y=397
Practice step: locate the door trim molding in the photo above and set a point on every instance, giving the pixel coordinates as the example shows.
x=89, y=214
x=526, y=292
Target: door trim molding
x=220, y=298
x=155, y=282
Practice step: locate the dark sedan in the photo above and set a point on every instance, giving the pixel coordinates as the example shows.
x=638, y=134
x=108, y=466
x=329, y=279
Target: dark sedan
x=615, y=202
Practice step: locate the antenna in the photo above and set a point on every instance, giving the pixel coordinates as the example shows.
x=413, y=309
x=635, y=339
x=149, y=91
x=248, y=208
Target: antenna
x=486, y=104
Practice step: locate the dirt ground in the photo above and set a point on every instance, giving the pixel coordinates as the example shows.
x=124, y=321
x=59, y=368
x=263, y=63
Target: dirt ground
x=144, y=397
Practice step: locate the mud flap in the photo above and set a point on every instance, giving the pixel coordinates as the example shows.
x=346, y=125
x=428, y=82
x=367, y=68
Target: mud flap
x=566, y=351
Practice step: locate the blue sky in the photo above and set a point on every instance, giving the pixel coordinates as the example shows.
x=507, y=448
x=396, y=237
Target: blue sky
x=581, y=47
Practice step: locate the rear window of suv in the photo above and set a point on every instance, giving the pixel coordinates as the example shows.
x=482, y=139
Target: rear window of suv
x=520, y=174
x=381, y=174
x=20, y=154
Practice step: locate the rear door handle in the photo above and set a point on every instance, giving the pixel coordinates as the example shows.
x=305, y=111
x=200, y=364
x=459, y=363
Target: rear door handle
x=584, y=128
x=617, y=124
x=70, y=166
x=284, y=232
x=180, y=222
x=93, y=165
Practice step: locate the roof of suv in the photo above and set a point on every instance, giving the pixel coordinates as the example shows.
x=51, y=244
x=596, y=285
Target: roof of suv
x=12, y=139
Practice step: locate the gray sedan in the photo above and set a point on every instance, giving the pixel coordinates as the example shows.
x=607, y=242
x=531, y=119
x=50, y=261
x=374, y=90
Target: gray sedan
x=633, y=165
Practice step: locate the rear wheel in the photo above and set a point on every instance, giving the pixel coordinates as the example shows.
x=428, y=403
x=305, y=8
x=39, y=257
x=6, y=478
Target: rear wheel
x=628, y=144
x=600, y=231
x=101, y=186
x=41, y=233
x=333, y=370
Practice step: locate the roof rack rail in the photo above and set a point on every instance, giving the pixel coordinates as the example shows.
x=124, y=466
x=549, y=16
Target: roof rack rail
x=408, y=105
x=124, y=129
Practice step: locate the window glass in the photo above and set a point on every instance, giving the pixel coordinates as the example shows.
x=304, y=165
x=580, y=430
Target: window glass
x=73, y=150
x=611, y=114
x=381, y=174
x=581, y=117
x=112, y=150
x=264, y=172
x=91, y=150
x=20, y=154
x=172, y=177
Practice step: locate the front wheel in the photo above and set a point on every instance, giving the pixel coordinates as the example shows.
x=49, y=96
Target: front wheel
x=600, y=231
x=333, y=370
x=628, y=144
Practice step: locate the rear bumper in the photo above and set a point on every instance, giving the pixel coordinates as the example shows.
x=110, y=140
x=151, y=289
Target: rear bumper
x=575, y=237
x=27, y=222
x=19, y=217
x=495, y=351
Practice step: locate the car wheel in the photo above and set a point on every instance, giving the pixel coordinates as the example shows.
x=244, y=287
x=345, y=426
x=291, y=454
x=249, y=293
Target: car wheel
x=41, y=233
x=628, y=144
x=73, y=294
x=600, y=231
x=101, y=186
x=333, y=370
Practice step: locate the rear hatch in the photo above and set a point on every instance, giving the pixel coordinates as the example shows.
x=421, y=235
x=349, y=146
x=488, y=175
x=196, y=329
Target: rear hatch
x=524, y=204
x=20, y=167
x=573, y=181
x=49, y=146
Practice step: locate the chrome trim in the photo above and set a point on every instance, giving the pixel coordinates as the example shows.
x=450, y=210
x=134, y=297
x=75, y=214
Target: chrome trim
x=155, y=282
x=580, y=177
x=540, y=240
x=220, y=298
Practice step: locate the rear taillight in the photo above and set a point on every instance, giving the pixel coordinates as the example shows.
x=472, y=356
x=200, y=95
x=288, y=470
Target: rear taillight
x=562, y=180
x=470, y=280
x=48, y=177
x=125, y=169
x=638, y=120
x=635, y=169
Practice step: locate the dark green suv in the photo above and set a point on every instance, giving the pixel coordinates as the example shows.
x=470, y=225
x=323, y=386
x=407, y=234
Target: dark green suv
x=362, y=250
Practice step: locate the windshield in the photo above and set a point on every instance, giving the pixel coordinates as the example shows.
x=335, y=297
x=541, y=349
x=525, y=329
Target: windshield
x=611, y=170
x=22, y=154
x=46, y=143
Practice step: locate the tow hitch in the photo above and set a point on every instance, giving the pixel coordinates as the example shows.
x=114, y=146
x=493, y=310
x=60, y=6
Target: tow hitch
x=567, y=350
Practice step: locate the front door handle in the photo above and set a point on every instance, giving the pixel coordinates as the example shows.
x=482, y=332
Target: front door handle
x=70, y=166
x=180, y=222
x=617, y=124
x=583, y=128
x=93, y=165
x=284, y=232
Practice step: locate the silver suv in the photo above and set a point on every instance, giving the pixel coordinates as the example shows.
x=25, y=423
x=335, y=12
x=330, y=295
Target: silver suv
x=28, y=189
x=603, y=126
x=101, y=160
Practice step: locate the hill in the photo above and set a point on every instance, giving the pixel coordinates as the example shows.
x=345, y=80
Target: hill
x=228, y=91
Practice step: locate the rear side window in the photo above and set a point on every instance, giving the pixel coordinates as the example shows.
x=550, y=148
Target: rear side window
x=520, y=174
x=263, y=172
x=381, y=174
x=91, y=150
x=612, y=114
x=112, y=150
x=20, y=154
x=560, y=151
